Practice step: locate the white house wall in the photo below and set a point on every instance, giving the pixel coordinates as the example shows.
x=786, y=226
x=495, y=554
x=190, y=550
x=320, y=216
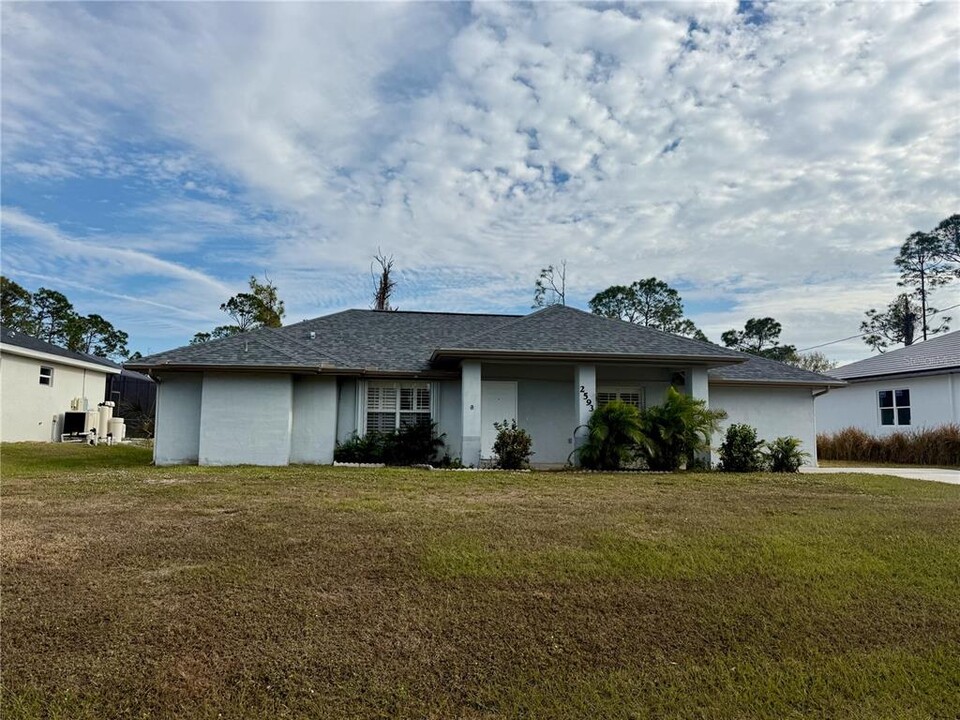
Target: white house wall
x=547, y=410
x=774, y=411
x=178, y=419
x=31, y=411
x=447, y=415
x=934, y=401
x=246, y=419
x=314, y=425
x=346, y=409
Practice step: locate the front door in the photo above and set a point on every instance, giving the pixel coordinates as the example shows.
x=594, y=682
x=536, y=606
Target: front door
x=498, y=402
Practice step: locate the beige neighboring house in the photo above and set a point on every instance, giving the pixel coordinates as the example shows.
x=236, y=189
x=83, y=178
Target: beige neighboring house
x=38, y=382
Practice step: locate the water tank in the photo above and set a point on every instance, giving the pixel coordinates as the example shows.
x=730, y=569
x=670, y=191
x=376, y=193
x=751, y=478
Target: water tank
x=116, y=428
x=93, y=420
x=103, y=422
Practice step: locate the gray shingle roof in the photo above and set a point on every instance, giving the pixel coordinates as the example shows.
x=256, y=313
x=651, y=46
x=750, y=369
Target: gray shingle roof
x=559, y=329
x=763, y=370
x=18, y=339
x=417, y=342
x=938, y=353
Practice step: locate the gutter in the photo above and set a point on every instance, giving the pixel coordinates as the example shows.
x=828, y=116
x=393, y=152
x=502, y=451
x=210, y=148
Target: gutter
x=554, y=357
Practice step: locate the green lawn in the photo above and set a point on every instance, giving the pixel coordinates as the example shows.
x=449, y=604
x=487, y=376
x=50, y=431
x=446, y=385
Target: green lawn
x=134, y=591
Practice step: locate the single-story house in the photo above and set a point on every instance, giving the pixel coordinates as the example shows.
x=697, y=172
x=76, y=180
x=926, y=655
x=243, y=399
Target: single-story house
x=38, y=383
x=288, y=395
x=917, y=386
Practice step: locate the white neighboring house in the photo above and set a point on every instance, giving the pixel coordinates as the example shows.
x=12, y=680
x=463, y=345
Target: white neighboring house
x=39, y=380
x=288, y=395
x=914, y=387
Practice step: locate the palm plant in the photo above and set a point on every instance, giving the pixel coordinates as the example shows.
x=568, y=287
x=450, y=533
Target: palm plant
x=674, y=432
x=613, y=436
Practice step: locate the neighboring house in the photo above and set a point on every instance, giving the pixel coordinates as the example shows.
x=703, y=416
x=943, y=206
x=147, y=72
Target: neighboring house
x=914, y=387
x=38, y=382
x=276, y=396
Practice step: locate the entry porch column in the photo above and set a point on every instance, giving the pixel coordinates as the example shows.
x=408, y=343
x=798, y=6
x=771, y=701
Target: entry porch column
x=585, y=389
x=470, y=424
x=698, y=386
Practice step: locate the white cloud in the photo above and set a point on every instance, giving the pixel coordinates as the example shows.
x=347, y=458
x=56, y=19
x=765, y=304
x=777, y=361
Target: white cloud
x=773, y=166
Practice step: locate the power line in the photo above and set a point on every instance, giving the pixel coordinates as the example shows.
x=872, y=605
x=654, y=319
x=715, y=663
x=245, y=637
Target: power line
x=854, y=337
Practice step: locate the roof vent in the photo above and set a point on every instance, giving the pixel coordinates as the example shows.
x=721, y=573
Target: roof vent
x=313, y=335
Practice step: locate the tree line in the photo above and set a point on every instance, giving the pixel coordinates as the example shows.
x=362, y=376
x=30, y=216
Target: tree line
x=48, y=315
x=926, y=261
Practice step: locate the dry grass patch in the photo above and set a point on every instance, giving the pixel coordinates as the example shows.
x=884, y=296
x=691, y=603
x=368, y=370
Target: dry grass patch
x=133, y=591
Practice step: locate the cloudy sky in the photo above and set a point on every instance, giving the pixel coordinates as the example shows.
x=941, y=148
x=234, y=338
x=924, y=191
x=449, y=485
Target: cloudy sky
x=764, y=159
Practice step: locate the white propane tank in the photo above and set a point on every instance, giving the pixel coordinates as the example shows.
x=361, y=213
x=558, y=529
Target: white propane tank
x=93, y=420
x=103, y=422
x=116, y=429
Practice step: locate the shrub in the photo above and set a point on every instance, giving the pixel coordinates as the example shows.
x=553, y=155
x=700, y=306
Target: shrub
x=933, y=446
x=784, y=455
x=366, y=449
x=512, y=446
x=674, y=432
x=412, y=445
x=613, y=437
x=740, y=450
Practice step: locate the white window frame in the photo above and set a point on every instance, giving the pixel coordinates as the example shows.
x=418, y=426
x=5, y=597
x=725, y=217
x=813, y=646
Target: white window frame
x=895, y=407
x=620, y=391
x=363, y=404
x=48, y=376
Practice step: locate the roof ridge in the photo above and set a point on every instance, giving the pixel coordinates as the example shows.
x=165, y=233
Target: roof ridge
x=499, y=328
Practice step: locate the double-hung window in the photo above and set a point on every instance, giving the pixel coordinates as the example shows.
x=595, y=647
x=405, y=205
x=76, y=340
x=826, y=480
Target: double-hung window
x=393, y=405
x=894, y=407
x=46, y=375
x=630, y=396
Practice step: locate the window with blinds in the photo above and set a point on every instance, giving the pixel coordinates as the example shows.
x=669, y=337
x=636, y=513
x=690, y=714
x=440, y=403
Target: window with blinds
x=630, y=396
x=392, y=405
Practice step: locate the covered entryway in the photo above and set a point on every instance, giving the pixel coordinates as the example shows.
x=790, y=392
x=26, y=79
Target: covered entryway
x=498, y=402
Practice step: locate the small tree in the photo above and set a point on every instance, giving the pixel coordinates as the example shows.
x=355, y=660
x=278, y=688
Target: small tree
x=614, y=434
x=513, y=446
x=784, y=455
x=674, y=432
x=551, y=286
x=52, y=313
x=740, y=450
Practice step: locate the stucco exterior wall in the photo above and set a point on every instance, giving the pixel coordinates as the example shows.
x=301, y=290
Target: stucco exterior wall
x=30, y=411
x=246, y=419
x=447, y=415
x=773, y=411
x=547, y=410
x=314, y=426
x=178, y=419
x=346, y=409
x=934, y=400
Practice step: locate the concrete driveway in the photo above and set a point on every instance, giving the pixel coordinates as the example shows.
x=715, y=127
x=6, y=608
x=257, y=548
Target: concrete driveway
x=913, y=473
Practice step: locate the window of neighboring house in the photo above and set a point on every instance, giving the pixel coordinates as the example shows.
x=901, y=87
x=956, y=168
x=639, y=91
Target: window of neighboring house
x=392, y=405
x=630, y=396
x=894, y=407
x=46, y=375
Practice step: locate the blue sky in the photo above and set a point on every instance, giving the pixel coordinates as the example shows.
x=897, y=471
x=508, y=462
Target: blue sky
x=765, y=159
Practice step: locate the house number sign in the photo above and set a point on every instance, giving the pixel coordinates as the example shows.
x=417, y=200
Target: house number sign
x=586, y=398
